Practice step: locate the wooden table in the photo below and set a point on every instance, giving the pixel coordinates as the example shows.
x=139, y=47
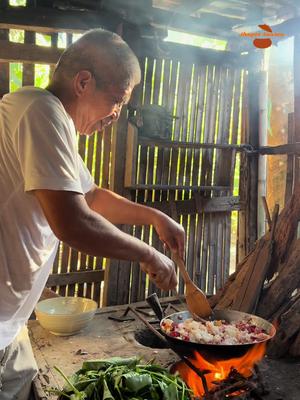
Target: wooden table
x=105, y=338
x=102, y=338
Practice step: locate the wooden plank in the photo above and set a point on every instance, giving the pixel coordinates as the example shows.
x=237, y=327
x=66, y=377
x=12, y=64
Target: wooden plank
x=220, y=259
x=28, y=69
x=178, y=187
x=69, y=278
x=242, y=230
x=227, y=247
x=98, y=159
x=131, y=156
x=73, y=265
x=117, y=278
x=154, y=169
x=49, y=20
x=161, y=143
x=196, y=173
x=184, y=125
x=64, y=266
x=54, y=43
x=208, y=258
x=4, y=66
x=180, y=105
x=90, y=165
x=253, y=82
x=138, y=277
x=142, y=195
x=82, y=258
x=204, y=254
x=208, y=26
x=106, y=157
x=191, y=6
x=28, y=53
x=166, y=169
x=136, y=274
x=247, y=296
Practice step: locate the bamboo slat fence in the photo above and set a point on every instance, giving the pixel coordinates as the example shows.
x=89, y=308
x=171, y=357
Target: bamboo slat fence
x=207, y=101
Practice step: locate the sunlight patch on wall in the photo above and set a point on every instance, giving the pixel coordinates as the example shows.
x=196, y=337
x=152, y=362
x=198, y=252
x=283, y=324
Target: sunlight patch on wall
x=195, y=40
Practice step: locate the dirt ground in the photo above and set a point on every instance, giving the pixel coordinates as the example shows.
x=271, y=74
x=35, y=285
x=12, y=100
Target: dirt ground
x=282, y=378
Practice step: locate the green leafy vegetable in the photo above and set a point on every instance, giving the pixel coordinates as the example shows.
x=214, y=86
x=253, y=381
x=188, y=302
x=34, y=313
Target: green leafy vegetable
x=122, y=379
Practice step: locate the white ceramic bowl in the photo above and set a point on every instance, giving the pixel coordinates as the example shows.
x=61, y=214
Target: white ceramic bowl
x=65, y=316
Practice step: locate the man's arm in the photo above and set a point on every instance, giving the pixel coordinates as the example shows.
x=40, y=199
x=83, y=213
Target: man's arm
x=119, y=210
x=75, y=223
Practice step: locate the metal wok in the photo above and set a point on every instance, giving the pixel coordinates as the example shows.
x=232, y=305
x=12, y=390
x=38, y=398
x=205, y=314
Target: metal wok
x=217, y=351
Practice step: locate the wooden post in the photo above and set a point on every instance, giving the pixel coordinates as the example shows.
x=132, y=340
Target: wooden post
x=28, y=69
x=117, y=273
x=297, y=100
x=131, y=156
x=253, y=90
x=4, y=68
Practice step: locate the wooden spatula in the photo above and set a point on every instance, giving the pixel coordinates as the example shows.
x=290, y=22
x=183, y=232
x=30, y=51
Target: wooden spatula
x=196, y=300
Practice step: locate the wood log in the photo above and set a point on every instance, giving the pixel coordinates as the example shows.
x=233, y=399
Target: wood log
x=283, y=285
x=249, y=293
x=287, y=332
x=286, y=227
x=230, y=297
x=283, y=238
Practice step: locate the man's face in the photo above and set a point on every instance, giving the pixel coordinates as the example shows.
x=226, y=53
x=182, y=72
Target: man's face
x=98, y=108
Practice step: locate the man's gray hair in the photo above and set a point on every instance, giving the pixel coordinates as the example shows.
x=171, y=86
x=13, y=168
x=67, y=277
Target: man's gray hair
x=105, y=54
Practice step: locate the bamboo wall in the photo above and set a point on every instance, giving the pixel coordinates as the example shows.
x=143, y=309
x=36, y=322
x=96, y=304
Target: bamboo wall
x=207, y=101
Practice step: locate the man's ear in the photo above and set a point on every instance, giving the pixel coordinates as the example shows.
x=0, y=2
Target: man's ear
x=82, y=81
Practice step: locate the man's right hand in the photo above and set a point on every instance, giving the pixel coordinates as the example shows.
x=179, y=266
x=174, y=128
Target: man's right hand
x=161, y=270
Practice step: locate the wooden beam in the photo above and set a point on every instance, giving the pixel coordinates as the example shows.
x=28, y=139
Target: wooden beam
x=70, y=278
x=190, y=6
x=281, y=149
x=4, y=67
x=28, y=69
x=177, y=187
x=31, y=53
x=191, y=54
x=204, y=205
x=49, y=20
x=211, y=25
x=161, y=143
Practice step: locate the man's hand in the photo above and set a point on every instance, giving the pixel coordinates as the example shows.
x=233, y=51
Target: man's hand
x=160, y=270
x=170, y=233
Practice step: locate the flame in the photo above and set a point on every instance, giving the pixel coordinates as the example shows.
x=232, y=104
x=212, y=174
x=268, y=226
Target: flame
x=219, y=369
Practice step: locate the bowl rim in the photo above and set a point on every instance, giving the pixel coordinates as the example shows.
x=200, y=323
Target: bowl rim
x=36, y=308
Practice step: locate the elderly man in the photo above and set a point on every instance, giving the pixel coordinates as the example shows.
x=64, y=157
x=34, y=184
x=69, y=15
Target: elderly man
x=47, y=193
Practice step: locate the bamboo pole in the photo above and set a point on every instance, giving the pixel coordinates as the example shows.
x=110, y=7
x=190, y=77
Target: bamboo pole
x=262, y=161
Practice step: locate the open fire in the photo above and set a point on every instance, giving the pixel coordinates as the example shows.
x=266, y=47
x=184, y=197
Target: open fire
x=234, y=372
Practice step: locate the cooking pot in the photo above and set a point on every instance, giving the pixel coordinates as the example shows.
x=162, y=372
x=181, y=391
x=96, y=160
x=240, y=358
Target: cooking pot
x=211, y=351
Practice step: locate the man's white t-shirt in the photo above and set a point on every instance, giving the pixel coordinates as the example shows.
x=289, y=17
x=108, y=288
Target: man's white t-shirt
x=38, y=150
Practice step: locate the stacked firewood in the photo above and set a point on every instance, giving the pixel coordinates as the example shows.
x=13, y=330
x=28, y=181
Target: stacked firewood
x=267, y=281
